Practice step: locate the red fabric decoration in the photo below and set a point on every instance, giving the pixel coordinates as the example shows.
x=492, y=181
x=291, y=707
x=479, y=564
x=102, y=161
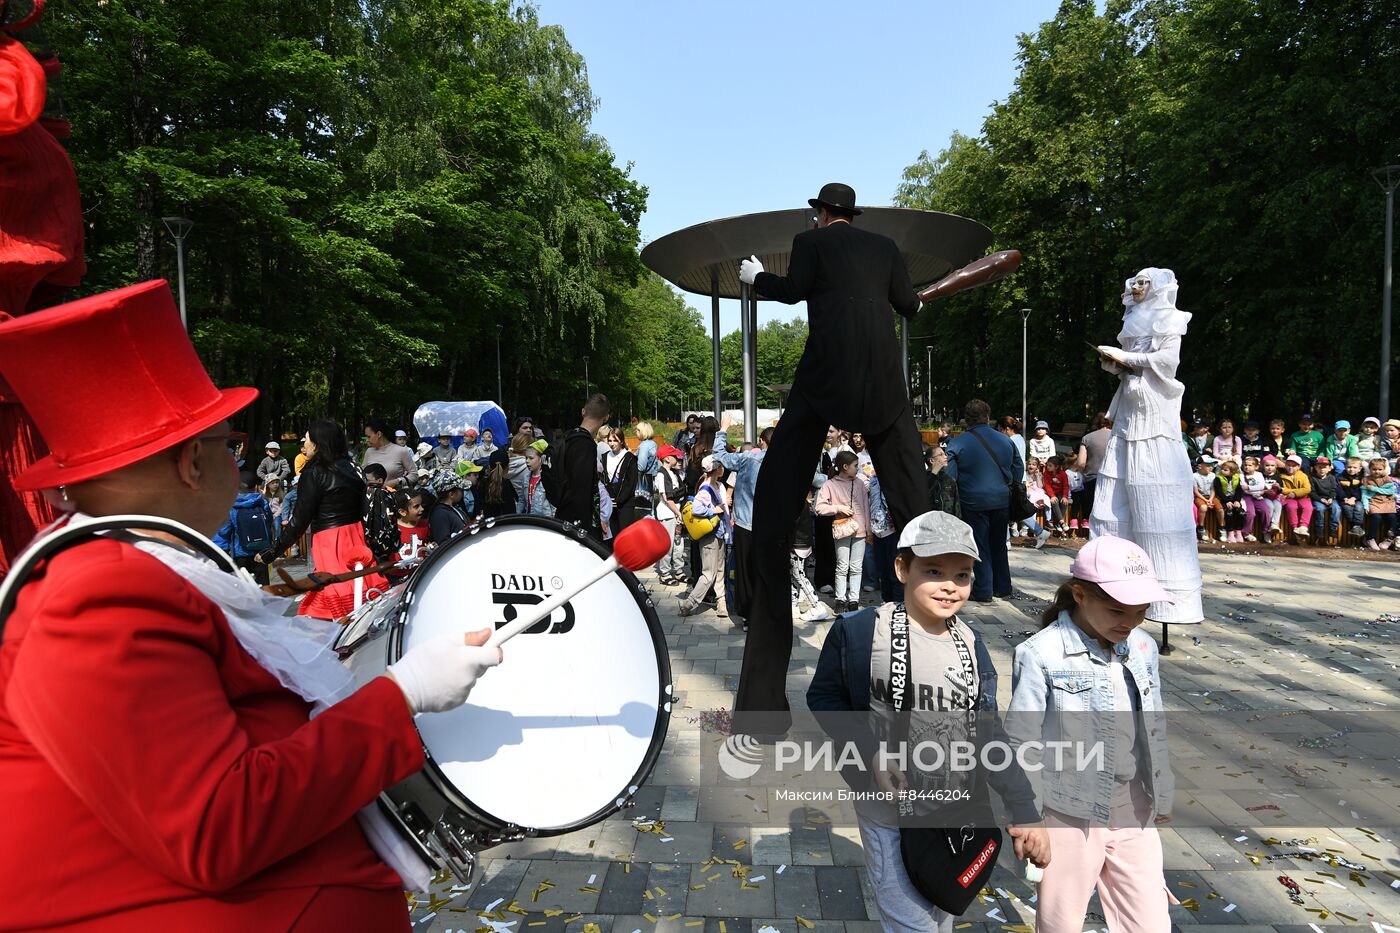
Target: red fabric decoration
x=41, y=254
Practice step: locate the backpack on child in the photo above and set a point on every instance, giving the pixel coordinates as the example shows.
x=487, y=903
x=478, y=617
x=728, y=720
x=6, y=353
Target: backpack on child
x=253, y=531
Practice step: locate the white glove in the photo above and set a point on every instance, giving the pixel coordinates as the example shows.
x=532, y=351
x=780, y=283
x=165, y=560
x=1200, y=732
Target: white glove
x=437, y=675
x=749, y=270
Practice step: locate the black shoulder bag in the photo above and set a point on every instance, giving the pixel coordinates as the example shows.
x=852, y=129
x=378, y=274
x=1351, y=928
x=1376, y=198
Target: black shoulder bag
x=947, y=866
x=1018, y=504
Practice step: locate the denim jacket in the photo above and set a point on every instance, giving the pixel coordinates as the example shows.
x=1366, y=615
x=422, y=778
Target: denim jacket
x=1061, y=685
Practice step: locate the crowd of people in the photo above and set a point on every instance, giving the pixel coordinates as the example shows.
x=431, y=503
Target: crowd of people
x=392, y=499
x=1262, y=483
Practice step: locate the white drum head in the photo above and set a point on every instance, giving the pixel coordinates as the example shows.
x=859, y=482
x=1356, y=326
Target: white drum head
x=561, y=728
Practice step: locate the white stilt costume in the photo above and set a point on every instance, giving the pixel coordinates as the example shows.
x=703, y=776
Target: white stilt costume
x=1144, y=486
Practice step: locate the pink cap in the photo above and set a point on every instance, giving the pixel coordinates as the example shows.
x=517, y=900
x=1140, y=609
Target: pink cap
x=1121, y=568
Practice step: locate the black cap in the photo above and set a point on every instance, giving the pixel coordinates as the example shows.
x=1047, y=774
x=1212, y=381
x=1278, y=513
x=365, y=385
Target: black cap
x=838, y=196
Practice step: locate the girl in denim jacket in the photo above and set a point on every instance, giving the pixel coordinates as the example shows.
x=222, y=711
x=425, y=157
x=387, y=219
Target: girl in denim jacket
x=1089, y=678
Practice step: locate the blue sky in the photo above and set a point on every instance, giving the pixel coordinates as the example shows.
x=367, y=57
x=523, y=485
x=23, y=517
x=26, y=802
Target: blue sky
x=727, y=108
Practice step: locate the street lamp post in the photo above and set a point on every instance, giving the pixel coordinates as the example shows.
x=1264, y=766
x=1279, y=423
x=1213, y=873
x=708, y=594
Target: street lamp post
x=500, y=392
x=1388, y=178
x=928, y=384
x=1025, y=317
x=179, y=228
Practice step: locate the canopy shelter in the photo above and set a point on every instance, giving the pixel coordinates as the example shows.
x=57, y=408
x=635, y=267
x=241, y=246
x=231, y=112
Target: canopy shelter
x=704, y=260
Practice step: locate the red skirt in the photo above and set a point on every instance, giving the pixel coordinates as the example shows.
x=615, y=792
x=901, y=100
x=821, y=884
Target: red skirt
x=335, y=550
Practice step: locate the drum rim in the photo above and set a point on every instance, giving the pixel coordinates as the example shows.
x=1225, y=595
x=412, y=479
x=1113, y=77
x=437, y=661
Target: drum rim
x=435, y=775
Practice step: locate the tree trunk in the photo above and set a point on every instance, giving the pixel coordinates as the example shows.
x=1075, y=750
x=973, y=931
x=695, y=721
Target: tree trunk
x=142, y=127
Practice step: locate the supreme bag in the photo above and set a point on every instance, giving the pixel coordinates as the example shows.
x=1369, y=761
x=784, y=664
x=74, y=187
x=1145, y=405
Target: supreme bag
x=947, y=865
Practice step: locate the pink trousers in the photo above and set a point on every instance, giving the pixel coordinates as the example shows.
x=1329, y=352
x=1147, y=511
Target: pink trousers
x=1123, y=859
x=1297, y=512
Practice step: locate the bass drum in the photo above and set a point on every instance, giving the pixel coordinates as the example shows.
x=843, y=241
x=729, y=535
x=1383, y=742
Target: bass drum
x=564, y=731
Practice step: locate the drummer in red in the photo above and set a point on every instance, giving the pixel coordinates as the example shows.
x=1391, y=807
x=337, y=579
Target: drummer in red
x=160, y=778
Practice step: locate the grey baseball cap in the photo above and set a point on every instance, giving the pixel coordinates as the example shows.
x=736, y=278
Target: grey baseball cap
x=935, y=533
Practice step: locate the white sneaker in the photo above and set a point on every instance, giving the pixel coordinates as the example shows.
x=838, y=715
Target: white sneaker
x=1300, y=532
x=1250, y=537
x=1202, y=535
x=826, y=589
x=1041, y=538
x=1224, y=537
x=1387, y=544
x=817, y=613
x=1371, y=545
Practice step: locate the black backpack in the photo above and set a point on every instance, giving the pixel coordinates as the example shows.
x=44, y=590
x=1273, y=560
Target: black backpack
x=252, y=529
x=552, y=474
x=381, y=530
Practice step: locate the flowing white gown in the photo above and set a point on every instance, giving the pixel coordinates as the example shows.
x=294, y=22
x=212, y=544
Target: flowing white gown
x=1144, y=486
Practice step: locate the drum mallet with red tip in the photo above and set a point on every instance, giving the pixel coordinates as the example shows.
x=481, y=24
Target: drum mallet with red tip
x=637, y=546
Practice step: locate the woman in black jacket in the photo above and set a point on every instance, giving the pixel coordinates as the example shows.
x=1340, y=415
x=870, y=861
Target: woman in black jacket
x=620, y=479
x=330, y=504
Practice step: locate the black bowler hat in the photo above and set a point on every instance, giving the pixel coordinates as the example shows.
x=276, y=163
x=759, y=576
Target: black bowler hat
x=834, y=194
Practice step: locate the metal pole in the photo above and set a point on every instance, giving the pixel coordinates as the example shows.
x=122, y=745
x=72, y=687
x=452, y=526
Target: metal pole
x=714, y=334
x=180, y=228
x=180, y=275
x=500, y=392
x=1385, y=300
x=586, y=393
x=749, y=359
x=928, y=376
x=1025, y=316
x=904, y=354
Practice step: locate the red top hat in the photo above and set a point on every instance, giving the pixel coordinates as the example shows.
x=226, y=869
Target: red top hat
x=109, y=380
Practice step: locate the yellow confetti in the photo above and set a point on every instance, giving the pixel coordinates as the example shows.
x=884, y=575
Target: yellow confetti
x=535, y=923
x=696, y=887
x=649, y=917
x=718, y=874
x=627, y=868
x=741, y=843
x=1186, y=884
x=1018, y=928
x=660, y=891
x=675, y=916
x=723, y=928
x=568, y=920
x=592, y=928
x=588, y=889
x=647, y=894
x=805, y=922
x=695, y=923
x=554, y=912
x=1191, y=904
x=961, y=926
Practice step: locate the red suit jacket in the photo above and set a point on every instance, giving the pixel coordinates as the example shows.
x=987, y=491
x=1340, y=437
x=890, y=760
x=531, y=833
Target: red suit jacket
x=160, y=779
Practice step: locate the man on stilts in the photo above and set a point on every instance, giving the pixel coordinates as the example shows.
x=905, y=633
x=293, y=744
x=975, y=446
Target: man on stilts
x=850, y=375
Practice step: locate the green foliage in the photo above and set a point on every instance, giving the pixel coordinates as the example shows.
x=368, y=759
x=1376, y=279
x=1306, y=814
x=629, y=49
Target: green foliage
x=1229, y=140
x=380, y=190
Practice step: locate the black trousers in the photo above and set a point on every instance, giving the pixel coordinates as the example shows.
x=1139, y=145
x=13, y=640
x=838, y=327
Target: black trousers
x=740, y=593
x=258, y=570
x=823, y=552
x=761, y=705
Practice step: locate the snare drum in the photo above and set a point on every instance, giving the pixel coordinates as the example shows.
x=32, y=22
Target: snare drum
x=563, y=732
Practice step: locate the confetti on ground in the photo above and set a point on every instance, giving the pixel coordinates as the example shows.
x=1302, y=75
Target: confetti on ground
x=805, y=922
x=782, y=868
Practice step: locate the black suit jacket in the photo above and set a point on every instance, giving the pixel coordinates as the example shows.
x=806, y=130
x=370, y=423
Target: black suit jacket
x=850, y=278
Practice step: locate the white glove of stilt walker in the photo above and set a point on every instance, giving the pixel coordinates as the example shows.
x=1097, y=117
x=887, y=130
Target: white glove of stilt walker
x=749, y=270
x=438, y=675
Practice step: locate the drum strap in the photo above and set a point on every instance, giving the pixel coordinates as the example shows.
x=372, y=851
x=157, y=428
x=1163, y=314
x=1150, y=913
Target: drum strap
x=70, y=532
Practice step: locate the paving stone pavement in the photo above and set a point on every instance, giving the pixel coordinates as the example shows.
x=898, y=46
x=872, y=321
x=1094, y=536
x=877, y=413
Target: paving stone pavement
x=1290, y=639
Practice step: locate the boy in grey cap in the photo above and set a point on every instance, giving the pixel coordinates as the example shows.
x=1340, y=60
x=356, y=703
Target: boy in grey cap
x=948, y=669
